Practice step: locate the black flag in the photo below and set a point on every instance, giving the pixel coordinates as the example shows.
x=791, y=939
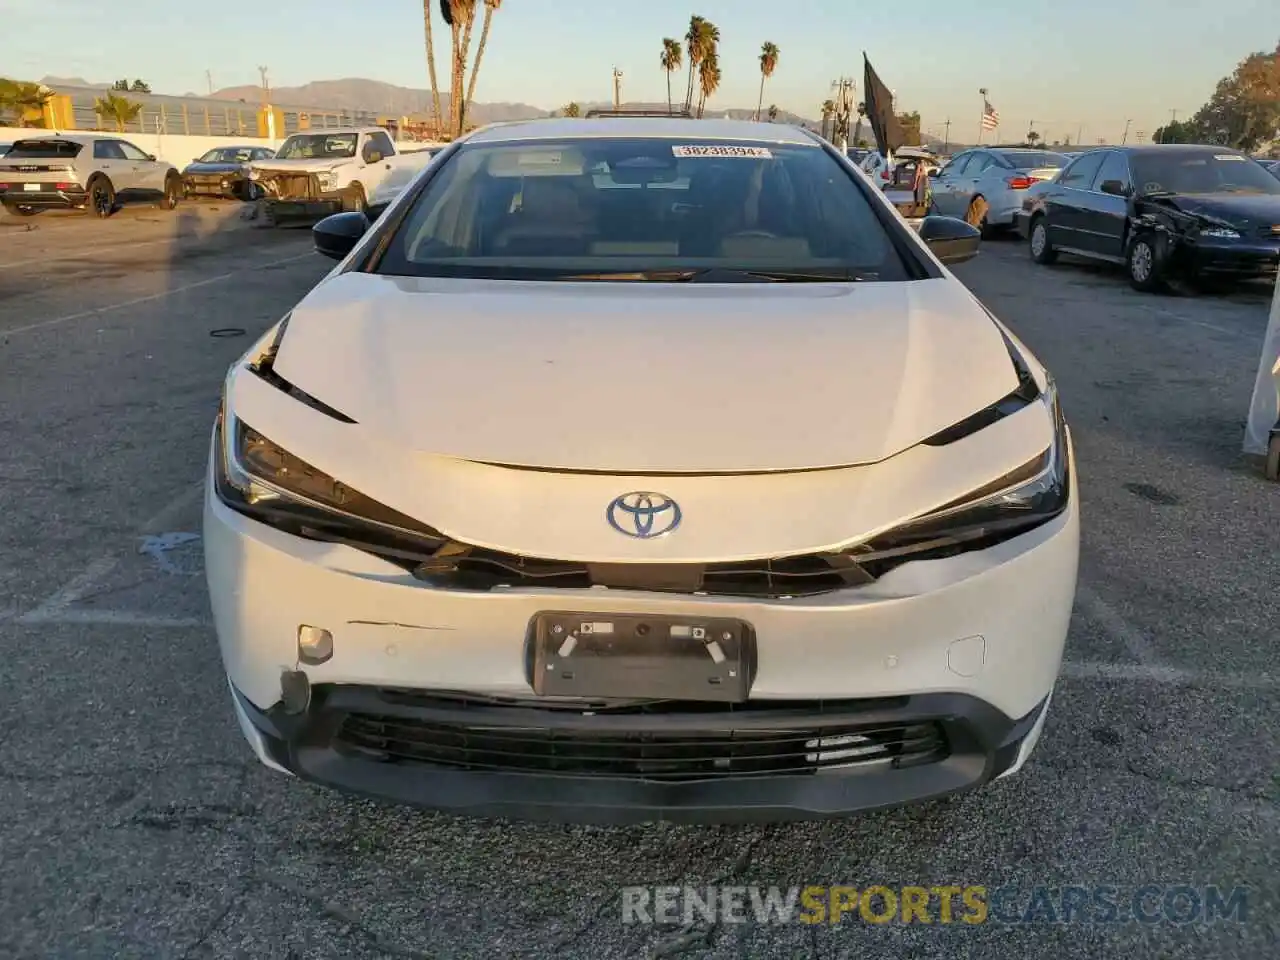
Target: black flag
x=879, y=103
x=446, y=11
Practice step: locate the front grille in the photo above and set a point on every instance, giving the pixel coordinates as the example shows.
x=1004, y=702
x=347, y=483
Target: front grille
x=793, y=746
x=292, y=186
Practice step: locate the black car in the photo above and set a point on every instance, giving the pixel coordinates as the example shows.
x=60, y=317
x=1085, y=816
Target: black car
x=223, y=172
x=1167, y=212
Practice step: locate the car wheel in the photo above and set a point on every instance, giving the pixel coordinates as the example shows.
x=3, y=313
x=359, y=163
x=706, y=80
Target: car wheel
x=1273, y=457
x=1143, y=261
x=353, y=199
x=172, y=193
x=102, y=197
x=1041, y=249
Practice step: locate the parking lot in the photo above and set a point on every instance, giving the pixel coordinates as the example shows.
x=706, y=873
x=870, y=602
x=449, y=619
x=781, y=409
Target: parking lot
x=137, y=823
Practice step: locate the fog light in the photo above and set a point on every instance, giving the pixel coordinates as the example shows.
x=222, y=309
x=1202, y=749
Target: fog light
x=315, y=645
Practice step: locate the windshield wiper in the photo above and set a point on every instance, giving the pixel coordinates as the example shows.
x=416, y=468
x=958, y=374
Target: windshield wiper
x=727, y=275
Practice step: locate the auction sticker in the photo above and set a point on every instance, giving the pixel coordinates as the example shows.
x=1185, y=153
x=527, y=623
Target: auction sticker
x=722, y=150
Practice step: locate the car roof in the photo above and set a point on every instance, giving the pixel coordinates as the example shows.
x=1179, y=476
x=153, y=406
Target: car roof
x=601, y=128
x=81, y=138
x=338, y=131
x=1188, y=149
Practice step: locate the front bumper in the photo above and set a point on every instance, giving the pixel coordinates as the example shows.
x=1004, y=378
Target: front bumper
x=780, y=762
x=973, y=643
x=282, y=207
x=48, y=197
x=1244, y=258
x=207, y=185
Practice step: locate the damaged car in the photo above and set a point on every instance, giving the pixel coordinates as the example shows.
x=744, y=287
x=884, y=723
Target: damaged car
x=223, y=173
x=321, y=172
x=1170, y=213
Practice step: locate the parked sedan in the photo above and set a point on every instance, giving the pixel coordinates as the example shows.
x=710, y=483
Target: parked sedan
x=223, y=172
x=1168, y=212
x=986, y=185
x=449, y=565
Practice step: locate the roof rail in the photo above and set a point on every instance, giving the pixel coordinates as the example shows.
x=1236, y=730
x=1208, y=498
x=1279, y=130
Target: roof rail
x=682, y=113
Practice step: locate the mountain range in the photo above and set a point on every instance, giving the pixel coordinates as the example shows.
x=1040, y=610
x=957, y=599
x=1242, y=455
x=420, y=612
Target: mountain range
x=374, y=96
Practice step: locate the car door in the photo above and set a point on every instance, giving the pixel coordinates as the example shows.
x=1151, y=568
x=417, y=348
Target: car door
x=1106, y=208
x=110, y=160
x=1066, y=201
x=966, y=186
x=944, y=185
x=373, y=173
x=148, y=172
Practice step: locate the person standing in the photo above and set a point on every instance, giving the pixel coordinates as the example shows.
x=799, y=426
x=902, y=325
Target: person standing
x=920, y=187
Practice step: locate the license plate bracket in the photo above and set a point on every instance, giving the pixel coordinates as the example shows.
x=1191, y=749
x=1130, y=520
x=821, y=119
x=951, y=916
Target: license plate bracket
x=31, y=187
x=639, y=656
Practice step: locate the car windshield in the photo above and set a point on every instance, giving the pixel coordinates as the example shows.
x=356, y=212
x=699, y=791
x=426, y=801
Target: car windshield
x=318, y=146
x=228, y=155
x=643, y=209
x=1181, y=172
x=44, y=150
x=1034, y=159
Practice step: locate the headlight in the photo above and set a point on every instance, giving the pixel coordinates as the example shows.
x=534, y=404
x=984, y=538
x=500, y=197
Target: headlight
x=1222, y=233
x=261, y=479
x=1025, y=498
x=327, y=180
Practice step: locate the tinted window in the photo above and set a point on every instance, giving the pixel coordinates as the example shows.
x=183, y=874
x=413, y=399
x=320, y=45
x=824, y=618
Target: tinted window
x=547, y=209
x=1034, y=159
x=382, y=143
x=44, y=150
x=1114, y=167
x=1180, y=171
x=1079, y=176
x=318, y=146
x=107, y=150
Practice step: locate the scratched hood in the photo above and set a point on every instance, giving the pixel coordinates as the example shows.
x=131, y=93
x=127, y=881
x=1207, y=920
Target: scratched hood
x=1238, y=209
x=296, y=166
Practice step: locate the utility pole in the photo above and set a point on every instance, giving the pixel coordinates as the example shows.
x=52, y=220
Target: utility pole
x=266, y=86
x=208, y=76
x=843, y=99
x=1125, y=138
x=946, y=135
x=1031, y=128
x=981, y=122
x=1080, y=133
x=617, y=89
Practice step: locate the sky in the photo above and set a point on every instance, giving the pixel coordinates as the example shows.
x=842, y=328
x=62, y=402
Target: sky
x=1078, y=69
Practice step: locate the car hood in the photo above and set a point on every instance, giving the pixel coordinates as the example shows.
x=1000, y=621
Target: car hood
x=636, y=378
x=297, y=166
x=215, y=167
x=1236, y=208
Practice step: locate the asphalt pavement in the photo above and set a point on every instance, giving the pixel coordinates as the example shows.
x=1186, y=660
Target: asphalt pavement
x=137, y=824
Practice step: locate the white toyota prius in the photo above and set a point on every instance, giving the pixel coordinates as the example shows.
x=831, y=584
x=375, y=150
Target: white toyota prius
x=637, y=469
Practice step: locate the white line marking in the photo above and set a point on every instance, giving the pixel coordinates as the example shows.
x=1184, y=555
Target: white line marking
x=98, y=311
x=56, y=605
x=1156, y=311
x=83, y=252
x=1147, y=673
x=115, y=618
x=1116, y=626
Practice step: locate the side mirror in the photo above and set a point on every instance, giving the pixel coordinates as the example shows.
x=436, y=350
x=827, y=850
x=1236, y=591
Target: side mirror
x=151, y=157
x=371, y=154
x=1113, y=187
x=337, y=235
x=951, y=240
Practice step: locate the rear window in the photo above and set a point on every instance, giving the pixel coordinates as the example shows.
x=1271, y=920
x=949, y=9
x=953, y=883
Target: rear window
x=44, y=150
x=572, y=208
x=1034, y=159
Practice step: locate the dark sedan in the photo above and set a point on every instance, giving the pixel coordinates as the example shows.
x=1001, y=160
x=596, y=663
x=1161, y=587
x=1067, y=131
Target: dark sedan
x=223, y=172
x=1167, y=212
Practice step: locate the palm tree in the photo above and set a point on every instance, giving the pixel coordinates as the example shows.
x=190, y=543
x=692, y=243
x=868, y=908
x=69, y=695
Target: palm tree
x=573, y=110
x=828, y=111
x=490, y=8
x=1033, y=138
x=768, y=63
x=461, y=17
x=431, y=63
x=119, y=110
x=708, y=78
x=672, y=59
x=693, y=45
x=24, y=98
x=773, y=113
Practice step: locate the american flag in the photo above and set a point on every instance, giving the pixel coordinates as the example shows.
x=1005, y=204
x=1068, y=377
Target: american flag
x=990, y=118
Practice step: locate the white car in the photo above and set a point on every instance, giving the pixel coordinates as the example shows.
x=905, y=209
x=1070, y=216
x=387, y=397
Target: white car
x=719, y=502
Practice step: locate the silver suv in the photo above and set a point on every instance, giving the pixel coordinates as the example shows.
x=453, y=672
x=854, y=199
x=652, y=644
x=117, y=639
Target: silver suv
x=84, y=171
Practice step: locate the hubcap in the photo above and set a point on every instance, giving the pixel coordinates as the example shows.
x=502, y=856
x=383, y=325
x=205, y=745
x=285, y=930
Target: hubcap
x=1038, y=239
x=1141, y=263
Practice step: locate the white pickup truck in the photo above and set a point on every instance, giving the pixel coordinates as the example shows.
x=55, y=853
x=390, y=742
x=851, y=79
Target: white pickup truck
x=320, y=172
